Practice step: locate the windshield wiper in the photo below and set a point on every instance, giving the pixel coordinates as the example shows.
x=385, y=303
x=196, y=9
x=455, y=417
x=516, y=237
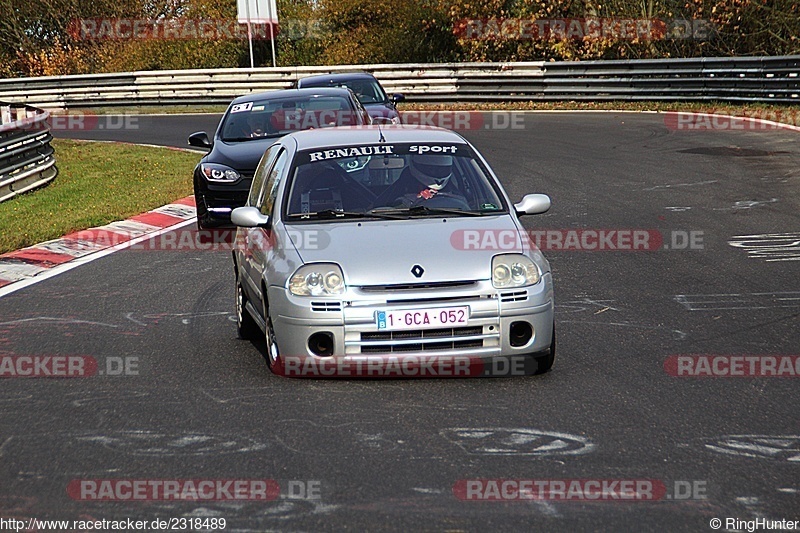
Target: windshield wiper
x=339, y=213
x=245, y=139
x=425, y=210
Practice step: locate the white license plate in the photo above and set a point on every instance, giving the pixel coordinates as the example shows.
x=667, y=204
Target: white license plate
x=440, y=317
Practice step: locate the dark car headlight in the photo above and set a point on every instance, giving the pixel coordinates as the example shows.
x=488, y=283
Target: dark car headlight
x=219, y=173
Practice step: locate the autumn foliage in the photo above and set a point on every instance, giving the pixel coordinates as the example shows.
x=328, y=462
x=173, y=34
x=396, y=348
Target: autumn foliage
x=36, y=37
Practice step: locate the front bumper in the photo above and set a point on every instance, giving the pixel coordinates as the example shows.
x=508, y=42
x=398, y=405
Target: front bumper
x=351, y=323
x=216, y=201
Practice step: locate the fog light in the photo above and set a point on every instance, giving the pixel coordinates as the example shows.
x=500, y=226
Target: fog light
x=321, y=344
x=520, y=334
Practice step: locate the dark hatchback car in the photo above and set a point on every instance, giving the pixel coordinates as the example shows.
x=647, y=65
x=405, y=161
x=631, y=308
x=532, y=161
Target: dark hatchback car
x=368, y=90
x=251, y=124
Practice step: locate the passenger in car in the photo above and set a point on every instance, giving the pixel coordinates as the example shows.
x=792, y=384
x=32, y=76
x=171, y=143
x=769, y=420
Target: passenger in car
x=326, y=186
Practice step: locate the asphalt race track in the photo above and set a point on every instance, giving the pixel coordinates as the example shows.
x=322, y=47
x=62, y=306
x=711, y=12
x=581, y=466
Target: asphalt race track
x=198, y=403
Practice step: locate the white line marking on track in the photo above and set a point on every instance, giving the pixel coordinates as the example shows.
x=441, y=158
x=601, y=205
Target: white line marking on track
x=672, y=186
x=60, y=269
x=53, y=319
x=129, y=316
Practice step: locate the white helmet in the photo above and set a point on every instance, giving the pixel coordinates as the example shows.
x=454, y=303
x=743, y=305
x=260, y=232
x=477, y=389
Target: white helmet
x=433, y=171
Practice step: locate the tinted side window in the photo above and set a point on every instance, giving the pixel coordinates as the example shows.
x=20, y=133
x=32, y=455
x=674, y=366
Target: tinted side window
x=363, y=112
x=261, y=174
x=270, y=190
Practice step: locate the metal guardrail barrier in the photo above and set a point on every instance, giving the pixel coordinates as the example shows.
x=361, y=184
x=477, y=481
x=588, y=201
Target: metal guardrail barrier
x=725, y=79
x=730, y=79
x=27, y=160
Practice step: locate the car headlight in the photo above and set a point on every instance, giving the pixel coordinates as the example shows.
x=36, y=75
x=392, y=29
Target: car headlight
x=317, y=279
x=219, y=173
x=514, y=270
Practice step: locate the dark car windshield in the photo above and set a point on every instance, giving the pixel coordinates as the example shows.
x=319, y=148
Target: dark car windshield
x=390, y=180
x=368, y=91
x=275, y=117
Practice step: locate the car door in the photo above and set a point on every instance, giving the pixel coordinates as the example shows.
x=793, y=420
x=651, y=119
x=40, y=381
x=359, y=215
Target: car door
x=244, y=235
x=266, y=242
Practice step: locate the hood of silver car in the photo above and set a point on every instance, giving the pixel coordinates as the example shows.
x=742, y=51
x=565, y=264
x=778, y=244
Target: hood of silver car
x=387, y=252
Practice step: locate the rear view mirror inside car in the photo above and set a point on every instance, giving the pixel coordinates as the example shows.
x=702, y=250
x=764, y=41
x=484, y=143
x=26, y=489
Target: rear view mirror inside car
x=386, y=163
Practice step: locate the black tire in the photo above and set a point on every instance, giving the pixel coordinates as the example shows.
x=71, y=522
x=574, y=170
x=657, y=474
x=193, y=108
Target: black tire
x=202, y=213
x=544, y=362
x=245, y=325
x=273, y=353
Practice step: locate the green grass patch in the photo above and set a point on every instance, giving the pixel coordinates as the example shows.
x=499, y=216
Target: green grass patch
x=155, y=110
x=97, y=183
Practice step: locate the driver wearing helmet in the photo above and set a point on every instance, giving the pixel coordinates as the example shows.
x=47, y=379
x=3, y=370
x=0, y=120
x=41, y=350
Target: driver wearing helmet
x=427, y=177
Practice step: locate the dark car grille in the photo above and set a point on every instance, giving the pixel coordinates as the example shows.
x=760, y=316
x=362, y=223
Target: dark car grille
x=422, y=340
x=326, y=306
x=418, y=286
x=518, y=296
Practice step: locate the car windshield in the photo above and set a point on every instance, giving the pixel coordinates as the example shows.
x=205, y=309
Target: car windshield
x=368, y=91
x=384, y=180
x=275, y=117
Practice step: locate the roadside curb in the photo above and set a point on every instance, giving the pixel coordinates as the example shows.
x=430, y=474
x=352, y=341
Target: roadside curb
x=58, y=255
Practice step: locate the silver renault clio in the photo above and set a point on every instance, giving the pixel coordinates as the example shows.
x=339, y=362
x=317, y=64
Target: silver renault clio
x=390, y=251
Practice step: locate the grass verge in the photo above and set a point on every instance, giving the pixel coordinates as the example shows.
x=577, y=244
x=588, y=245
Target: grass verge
x=97, y=183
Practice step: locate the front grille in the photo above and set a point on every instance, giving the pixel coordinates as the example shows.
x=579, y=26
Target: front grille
x=436, y=300
x=326, y=306
x=402, y=287
x=425, y=346
x=418, y=340
x=518, y=296
x=420, y=333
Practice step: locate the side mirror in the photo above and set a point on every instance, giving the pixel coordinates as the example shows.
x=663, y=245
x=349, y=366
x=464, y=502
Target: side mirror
x=533, y=204
x=397, y=98
x=382, y=120
x=249, y=217
x=200, y=139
